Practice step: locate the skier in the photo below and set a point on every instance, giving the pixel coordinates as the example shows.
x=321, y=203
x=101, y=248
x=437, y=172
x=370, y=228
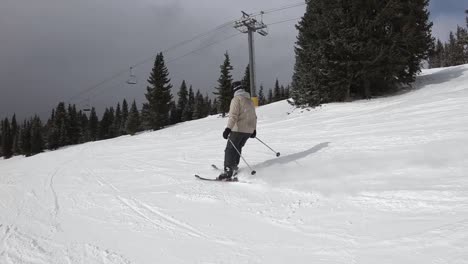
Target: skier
x=242, y=124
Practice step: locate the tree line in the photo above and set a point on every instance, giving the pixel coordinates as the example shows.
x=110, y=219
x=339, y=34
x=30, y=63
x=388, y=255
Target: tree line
x=345, y=49
x=451, y=53
x=68, y=125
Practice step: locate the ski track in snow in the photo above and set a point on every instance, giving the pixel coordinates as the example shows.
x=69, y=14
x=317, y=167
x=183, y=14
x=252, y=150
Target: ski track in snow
x=19, y=247
x=56, y=203
x=165, y=221
x=364, y=182
x=148, y=213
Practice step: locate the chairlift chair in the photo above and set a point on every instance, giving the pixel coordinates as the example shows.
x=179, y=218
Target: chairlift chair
x=132, y=78
x=87, y=107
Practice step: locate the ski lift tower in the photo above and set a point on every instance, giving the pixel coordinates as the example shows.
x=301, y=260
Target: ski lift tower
x=248, y=24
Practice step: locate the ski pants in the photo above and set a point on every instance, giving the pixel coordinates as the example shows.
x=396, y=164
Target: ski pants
x=231, y=157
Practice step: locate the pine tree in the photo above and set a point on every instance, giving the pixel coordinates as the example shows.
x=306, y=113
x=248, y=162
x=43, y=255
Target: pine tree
x=52, y=132
x=133, y=121
x=102, y=129
x=7, y=139
x=110, y=128
x=124, y=117
x=360, y=47
x=159, y=94
x=246, y=79
x=62, y=125
x=182, y=102
x=282, y=93
x=84, y=125
x=17, y=142
x=106, y=130
x=207, y=108
x=117, y=121
x=93, y=126
x=465, y=40
x=277, y=92
x=452, y=50
x=286, y=92
x=37, y=142
x=305, y=90
x=15, y=133
x=174, y=116
x=415, y=31
x=261, y=96
x=437, y=58
x=446, y=55
x=145, y=117
x=199, y=106
x=73, y=126
x=466, y=12
x=270, y=96
x=224, y=89
x=214, y=107
x=461, y=46
x=187, y=113
x=26, y=136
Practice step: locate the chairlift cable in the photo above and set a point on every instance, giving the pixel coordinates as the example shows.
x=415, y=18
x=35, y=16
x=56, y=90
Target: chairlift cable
x=204, y=47
x=268, y=11
x=284, y=21
x=117, y=74
x=211, y=44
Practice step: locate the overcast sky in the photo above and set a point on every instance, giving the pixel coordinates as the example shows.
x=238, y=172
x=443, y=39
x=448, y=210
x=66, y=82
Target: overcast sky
x=53, y=50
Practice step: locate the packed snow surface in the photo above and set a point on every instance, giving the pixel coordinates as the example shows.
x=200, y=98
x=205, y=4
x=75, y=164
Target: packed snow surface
x=372, y=181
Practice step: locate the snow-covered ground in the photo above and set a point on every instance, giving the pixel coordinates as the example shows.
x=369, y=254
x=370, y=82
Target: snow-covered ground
x=380, y=181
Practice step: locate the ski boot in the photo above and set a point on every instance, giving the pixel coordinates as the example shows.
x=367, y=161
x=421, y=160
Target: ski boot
x=228, y=175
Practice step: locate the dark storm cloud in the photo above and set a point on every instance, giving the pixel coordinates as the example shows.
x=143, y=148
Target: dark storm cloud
x=51, y=50
x=48, y=54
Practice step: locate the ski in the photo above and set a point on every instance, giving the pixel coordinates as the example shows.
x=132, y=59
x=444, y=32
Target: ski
x=234, y=176
x=207, y=179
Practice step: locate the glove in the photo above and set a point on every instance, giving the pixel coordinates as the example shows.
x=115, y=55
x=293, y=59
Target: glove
x=254, y=134
x=226, y=133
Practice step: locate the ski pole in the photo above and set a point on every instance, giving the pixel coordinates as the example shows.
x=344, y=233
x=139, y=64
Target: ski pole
x=252, y=171
x=277, y=153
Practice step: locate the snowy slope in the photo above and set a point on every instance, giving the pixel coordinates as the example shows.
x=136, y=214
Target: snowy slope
x=380, y=181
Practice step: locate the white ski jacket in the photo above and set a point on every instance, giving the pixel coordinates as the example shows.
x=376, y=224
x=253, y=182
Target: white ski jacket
x=242, y=116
